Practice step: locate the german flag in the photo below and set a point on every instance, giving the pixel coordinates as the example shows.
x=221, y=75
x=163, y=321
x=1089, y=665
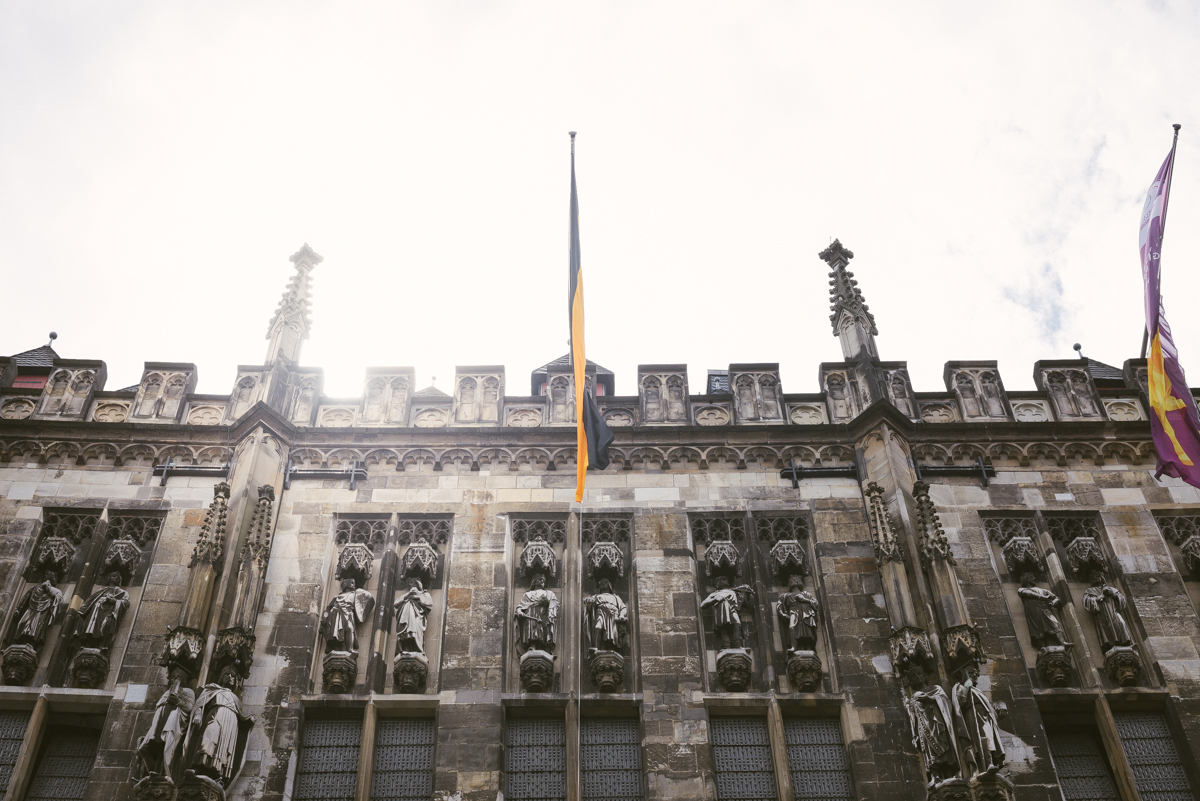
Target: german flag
x=592, y=434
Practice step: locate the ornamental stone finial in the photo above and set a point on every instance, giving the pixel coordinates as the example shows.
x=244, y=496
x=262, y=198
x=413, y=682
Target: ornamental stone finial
x=289, y=327
x=851, y=319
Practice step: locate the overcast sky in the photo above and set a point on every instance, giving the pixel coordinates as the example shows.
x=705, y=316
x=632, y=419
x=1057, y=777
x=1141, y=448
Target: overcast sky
x=986, y=163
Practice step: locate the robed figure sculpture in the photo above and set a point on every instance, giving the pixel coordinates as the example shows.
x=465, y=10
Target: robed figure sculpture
x=536, y=617
x=215, y=743
x=412, y=613
x=343, y=615
x=1107, y=605
x=979, y=730
x=798, y=612
x=36, y=612
x=606, y=619
x=931, y=719
x=726, y=604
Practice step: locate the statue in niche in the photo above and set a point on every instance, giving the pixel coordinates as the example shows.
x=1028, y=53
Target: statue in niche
x=747, y=405
x=652, y=388
x=931, y=721
x=606, y=619
x=153, y=389
x=798, y=612
x=1041, y=613
x=80, y=387
x=770, y=398
x=341, y=618
x=304, y=402
x=900, y=394
x=966, y=391
x=1058, y=393
x=536, y=617
x=101, y=614
x=168, y=403
x=489, y=407
x=215, y=743
x=837, y=394
x=1107, y=605
x=726, y=603
x=242, y=396
x=992, y=402
x=466, y=400
x=56, y=395
x=561, y=400
x=676, y=402
x=978, y=729
x=1083, y=394
x=412, y=614
x=37, y=611
x=397, y=400
x=373, y=408
x=158, y=751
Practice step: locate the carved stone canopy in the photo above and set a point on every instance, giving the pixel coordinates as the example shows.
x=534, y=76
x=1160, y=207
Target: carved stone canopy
x=538, y=557
x=121, y=558
x=606, y=560
x=1021, y=556
x=1190, y=552
x=787, y=560
x=420, y=561
x=1086, y=557
x=354, y=562
x=962, y=647
x=910, y=648
x=722, y=558
x=232, y=655
x=181, y=657
x=53, y=558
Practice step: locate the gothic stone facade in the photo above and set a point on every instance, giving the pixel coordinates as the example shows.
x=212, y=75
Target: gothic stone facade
x=869, y=592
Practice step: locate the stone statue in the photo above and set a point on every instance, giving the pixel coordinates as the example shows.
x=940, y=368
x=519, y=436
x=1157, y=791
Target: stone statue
x=373, y=408
x=58, y=389
x=726, y=604
x=1107, y=605
x=37, y=611
x=769, y=406
x=976, y=726
x=931, y=721
x=1083, y=394
x=993, y=405
x=966, y=391
x=654, y=406
x=305, y=401
x=215, y=743
x=149, y=407
x=746, y=401
x=798, y=611
x=536, y=617
x=412, y=613
x=676, y=403
x=340, y=620
x=837, y=393
x=101, y=614
x=606, y=619
x=900, y=395
x=1041, y=614
x=489, y=410
x=562, y=404
x=466, y=401
x=1058, y=393
x=397, y=401
x=158, y=751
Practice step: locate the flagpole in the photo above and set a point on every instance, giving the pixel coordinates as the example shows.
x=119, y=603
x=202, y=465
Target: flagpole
x=1162, y=228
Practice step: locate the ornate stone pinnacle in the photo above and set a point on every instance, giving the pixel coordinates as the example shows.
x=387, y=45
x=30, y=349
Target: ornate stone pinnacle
x=289, y=327
x=306, y=255
x=844, y=293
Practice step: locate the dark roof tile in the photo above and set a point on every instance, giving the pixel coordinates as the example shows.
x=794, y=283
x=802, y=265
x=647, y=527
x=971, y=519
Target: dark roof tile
x=38, y=357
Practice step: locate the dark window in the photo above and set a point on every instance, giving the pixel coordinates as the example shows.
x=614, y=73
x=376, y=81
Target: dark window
x=403, y=760
x=611, y=760
x=65, y=765
x=1157, y=769
x=1082, y=769
x=817, y=758
x=742, y=758
x=12, y=734
x=535, y=760
x=328, y=761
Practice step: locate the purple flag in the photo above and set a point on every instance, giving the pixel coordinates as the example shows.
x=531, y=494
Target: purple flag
x=1174, y=422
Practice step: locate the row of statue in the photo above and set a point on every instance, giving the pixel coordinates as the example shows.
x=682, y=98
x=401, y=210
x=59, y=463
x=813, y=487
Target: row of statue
x=960, y=726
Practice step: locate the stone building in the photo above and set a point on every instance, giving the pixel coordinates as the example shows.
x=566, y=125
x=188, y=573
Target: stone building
x=868, y=592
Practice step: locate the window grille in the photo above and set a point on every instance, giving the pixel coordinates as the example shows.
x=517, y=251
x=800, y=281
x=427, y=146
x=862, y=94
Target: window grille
x=774, y=529
x=62, y=772
x=742, y=759
x=403, y=760
x=817, y=759
x=1067, y=529
x=328, y=768
x=71, y=526
x=1157, y=769
x=435, y=532
x=12, y=734
x=1003, y=529
x=535, y=760
x=548, y=530
x=1179, y=528
x=605, y=529
x=611, y=760
x=142, y=529
x=708, y=529
x=368, y=532
x=1083, y=773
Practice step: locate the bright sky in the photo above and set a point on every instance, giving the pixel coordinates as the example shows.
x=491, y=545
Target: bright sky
x=986, y=163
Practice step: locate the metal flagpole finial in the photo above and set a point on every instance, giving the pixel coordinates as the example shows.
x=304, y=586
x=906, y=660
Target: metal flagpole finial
x=572, y=133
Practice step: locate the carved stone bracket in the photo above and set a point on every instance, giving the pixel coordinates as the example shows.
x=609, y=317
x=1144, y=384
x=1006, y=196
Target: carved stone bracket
x=1054, y=665
x=1190, y=552
x=787, y=560
x=606, y=560
x=950, y=790
x=992, y=788
x=608, y=670
x=1087, y=558
x=722, y=558
x=537, y=671
x=1121, y=662
x=339, y=670
x=156, y=787
x=420, y=561
x=234, y=649
x=89, y=668
x=910, y=649
x=883, y=533
x=410, y=670
x=182, y=655
x=20, y=663
x=354, y=562
x=804, y=670
x=200, y=788
x=734, y=669
x=1021, y=557
x=962, y=647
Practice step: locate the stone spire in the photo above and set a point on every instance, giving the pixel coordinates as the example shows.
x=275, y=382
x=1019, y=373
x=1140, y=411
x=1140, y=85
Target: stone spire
x=852, y=321
x=289, y=326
